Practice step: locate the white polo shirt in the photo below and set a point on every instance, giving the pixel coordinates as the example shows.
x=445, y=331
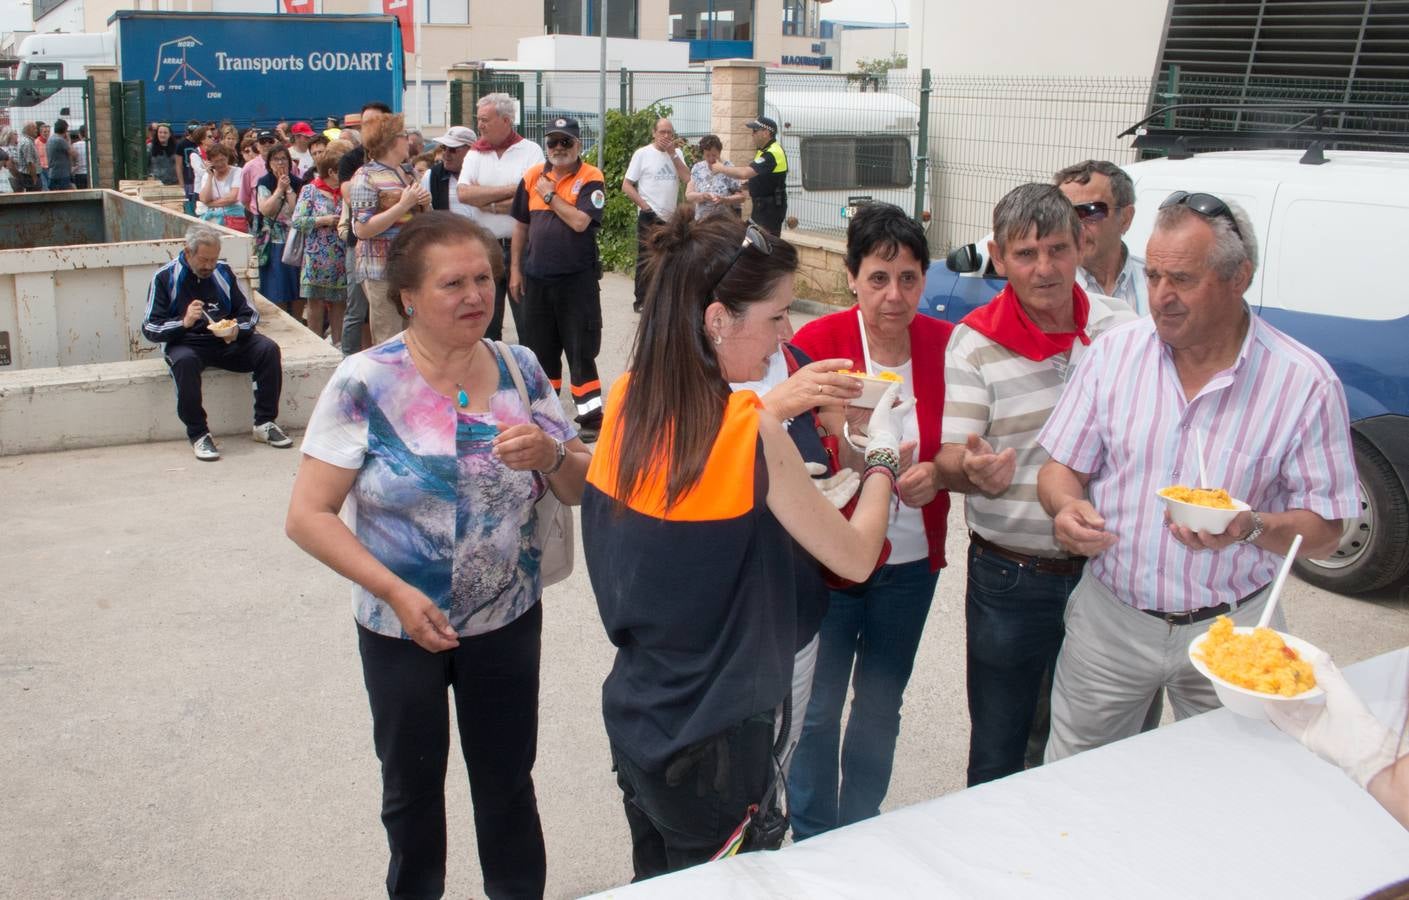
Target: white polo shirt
x=485, y=167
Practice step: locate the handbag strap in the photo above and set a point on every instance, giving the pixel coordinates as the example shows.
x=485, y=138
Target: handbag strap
x=513, y=366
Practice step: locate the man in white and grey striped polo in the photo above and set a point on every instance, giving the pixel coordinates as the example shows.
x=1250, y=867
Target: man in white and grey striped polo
x=1005, y=368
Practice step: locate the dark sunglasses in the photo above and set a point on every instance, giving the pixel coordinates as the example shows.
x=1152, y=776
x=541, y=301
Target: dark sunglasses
x=554, y=143
x=753, y=237
x=1205, y=205
x=1095, y=211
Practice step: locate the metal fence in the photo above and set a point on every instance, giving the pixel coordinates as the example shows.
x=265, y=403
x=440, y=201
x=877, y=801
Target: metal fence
x=990, y=134
x=849, y=139
x=47, y=101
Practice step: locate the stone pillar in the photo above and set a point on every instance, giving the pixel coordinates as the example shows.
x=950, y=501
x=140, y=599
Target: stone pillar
x=100, y=131
x=466, y=73
x=734, y=101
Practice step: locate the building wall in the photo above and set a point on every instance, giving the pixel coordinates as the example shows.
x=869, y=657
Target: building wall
x=855, y=44
x=1018, y=37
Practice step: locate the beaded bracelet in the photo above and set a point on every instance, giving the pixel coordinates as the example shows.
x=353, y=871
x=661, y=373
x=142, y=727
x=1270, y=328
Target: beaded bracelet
x=884, y=456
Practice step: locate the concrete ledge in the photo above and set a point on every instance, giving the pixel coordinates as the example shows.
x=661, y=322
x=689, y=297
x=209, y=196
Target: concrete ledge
x=821, y=270
x=72, y=407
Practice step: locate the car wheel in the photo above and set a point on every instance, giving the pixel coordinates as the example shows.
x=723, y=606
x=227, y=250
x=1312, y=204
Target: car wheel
x=1374, y=547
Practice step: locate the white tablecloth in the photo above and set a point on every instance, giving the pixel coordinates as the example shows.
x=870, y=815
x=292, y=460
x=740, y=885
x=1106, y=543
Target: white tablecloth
x=1214, y=806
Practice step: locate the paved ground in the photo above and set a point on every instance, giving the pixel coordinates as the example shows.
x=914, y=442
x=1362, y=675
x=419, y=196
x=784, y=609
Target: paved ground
x=181, y=707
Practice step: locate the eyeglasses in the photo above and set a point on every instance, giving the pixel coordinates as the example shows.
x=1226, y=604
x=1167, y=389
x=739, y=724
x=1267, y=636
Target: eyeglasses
x=753, y=237
x=554, y=143
x=1205, y=205
x=1095, y=211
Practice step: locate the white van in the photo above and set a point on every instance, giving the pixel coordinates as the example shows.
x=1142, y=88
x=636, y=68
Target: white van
x=56, y=57
x=1329, y=237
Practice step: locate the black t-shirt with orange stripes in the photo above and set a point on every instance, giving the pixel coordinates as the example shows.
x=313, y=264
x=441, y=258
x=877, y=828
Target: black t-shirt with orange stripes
x=700, y=599
x=553, y=247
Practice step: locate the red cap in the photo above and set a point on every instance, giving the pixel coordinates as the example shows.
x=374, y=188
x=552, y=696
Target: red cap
x=302, y=128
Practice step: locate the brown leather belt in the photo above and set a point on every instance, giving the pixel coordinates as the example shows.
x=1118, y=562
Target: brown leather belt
x=1200, y=615
x=1047, y=565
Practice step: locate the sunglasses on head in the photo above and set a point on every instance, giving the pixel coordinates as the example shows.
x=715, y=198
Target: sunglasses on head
x=556, y=142
x=753, y=237
x=1205, y=205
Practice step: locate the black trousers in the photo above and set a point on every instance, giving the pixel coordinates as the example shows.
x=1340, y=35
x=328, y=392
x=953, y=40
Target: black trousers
x=769, y=212
x=644, y=220
x=563, y=316
x=250, y=353
x=682, y=816
x=495, y=680
x=495, y=331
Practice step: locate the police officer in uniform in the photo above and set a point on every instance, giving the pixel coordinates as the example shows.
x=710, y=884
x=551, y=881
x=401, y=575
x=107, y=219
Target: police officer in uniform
x=767, y=175
x=554, y=268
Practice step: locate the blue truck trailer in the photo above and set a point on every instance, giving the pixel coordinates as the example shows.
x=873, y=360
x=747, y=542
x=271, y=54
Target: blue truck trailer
x=245, y=67
x=257, y=67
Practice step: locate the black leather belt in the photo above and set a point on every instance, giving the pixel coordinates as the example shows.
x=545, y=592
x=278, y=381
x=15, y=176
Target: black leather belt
x=1200, y=615
x=1047, y=565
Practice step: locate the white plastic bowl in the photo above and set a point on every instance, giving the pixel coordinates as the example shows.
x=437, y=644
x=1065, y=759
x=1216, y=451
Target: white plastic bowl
x=1244, y=701
x=871, y=390
x=1202, y=518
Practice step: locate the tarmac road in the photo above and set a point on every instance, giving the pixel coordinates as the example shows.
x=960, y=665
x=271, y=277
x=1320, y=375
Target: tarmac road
x=181, y=706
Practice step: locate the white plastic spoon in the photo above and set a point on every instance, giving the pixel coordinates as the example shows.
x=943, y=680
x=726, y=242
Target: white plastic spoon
x=1203, y=466
x=1276, y=594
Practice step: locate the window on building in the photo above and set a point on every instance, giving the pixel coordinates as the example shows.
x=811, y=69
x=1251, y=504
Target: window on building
x=443, y=12
x=844, y=162
x=800, y=17
x=567, y=17
x=717, y=20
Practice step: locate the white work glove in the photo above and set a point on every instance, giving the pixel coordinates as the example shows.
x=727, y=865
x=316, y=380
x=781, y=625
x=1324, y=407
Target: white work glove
x=838, y=488
x=887, y=419
x=1343, y=731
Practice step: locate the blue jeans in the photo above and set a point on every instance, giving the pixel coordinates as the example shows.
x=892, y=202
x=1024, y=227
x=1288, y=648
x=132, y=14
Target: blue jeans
x=1014, y=624
x=877, y=626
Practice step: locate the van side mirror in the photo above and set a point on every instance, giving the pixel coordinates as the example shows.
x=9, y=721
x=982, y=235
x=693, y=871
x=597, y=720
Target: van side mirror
x=964, y=259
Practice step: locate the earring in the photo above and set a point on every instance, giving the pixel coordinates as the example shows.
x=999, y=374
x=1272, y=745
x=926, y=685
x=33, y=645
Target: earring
x=410, y=311
x=718, y=339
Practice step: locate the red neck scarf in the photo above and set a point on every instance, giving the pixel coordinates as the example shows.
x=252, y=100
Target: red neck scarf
x=1004, y=321
x=322, y=185
x=484, y=146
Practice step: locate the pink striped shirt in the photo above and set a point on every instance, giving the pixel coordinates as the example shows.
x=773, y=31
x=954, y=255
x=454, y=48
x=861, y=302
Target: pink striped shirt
x=1276, y=431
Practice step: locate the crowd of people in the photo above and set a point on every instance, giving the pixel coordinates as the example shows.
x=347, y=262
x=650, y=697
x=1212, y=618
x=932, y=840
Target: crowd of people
x=761, y=544
x=43, y=157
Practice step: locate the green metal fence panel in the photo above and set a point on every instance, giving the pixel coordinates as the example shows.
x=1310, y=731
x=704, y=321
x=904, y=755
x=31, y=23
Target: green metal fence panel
x=47, y=101
x=457, y=102
x=129, y=117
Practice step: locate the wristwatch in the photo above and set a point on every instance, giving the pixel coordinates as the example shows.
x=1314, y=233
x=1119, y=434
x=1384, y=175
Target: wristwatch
x=548, y=197
x=557, y=463
x=1257, y=528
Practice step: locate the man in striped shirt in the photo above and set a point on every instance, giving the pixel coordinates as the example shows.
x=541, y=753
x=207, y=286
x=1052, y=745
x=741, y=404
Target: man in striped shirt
x=1005, y=367
x=1273, y=420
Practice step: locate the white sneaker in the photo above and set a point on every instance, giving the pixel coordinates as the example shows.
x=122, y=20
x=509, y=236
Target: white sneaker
x=205, y=449
x=271, y=434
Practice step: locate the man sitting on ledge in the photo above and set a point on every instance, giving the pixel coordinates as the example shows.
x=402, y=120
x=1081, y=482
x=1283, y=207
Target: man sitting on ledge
x=196, y=309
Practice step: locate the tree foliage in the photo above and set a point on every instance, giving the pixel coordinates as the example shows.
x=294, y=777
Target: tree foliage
x=882, y=64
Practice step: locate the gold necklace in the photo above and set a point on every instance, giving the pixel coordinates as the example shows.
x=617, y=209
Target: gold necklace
x=462, y=399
